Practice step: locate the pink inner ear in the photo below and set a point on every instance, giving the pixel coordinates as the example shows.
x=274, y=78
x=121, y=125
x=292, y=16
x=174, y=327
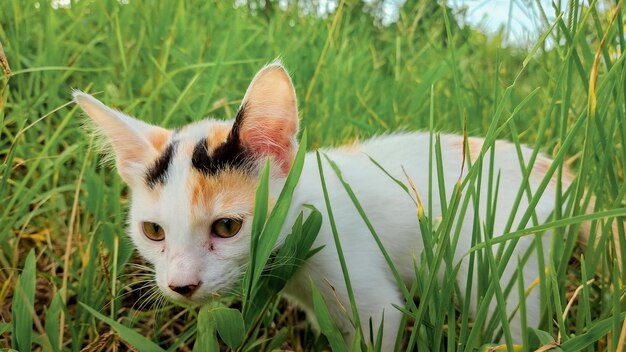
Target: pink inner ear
x=273, y=137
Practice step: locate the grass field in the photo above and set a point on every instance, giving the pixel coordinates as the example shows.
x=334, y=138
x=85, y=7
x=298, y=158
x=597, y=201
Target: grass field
x=68, y=277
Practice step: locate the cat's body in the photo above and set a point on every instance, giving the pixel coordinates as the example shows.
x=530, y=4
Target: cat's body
x=193, y=194
x=394, y=216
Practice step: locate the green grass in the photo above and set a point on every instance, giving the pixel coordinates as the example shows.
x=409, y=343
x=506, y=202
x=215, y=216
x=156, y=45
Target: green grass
x=66, y=264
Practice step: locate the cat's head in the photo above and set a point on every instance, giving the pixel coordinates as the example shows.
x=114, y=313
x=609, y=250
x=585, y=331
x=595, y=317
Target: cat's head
x=193, y=188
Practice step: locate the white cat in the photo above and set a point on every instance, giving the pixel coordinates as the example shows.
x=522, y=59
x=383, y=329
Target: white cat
x=193, y=194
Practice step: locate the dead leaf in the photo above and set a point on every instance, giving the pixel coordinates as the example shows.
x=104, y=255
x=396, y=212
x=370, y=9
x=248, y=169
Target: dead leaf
x=4, y=63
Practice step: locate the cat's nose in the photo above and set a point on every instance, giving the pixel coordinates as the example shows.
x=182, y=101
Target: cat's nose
x=186, y=290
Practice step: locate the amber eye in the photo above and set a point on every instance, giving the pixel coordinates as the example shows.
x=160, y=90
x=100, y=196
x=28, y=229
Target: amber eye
x=226, y=227
x=153, y=231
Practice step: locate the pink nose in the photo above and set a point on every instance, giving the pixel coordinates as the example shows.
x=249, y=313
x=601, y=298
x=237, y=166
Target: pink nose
x=186, y=290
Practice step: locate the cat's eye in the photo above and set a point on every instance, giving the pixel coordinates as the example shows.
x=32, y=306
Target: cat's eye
x=153, y=231
x=226, y=227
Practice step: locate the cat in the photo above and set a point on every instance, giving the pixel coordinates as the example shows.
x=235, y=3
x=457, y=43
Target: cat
x=193, y=193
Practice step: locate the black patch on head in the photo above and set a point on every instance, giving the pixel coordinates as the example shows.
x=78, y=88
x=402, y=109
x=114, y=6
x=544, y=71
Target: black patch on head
x=230, y=154
x=158, y=172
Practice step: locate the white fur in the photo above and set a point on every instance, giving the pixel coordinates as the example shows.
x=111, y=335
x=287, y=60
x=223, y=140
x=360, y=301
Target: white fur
x=184, y=256
x=394, y=216
x=389, y=208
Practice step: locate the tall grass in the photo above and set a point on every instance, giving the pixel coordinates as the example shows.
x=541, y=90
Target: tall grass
x=68, y=276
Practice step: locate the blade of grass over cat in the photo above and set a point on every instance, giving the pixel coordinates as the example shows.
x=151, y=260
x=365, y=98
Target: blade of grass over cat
x=549, y=225
x=264, y=284
x=355, y=202
x=397, y=181
x=267, y=238
x=442, y=246
x=502, y=305
x=585, y=311
x=265, y=231
x=295, y=249
x=527, y=166
x=338, y=246
x=490, y=291
x=261, y=200
x=443, y=199
x=284, y=263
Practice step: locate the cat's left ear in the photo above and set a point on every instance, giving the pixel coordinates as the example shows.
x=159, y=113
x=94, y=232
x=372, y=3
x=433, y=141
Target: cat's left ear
x=133, y=142
x=267, y=121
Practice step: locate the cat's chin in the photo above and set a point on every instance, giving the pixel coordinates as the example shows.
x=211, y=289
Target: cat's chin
x=204, y=294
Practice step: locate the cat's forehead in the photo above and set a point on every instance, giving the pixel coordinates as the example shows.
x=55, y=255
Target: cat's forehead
x=206, y=147
x=215, y=131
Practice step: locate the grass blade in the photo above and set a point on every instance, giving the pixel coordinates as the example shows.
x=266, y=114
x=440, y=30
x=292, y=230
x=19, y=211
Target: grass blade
x=229, y=324
x=327, y=327
x=129, y=335
x=23, y=306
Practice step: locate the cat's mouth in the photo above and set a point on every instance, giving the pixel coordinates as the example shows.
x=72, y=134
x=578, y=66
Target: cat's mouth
x=210, y=287
x=200, y=295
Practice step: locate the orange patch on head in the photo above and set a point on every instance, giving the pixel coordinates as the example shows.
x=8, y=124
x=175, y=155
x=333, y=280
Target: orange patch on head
x=158, y=138
x=231, y=187
x=202, y=189
x=238, y=189
x=217, y=134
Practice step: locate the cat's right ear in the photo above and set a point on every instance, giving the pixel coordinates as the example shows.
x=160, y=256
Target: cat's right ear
x=134, y=142
x=267, y=121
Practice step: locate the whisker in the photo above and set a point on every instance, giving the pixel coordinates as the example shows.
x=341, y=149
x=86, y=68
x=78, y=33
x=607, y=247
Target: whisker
x=152, y=295
x=146, y=284
x=142, y=267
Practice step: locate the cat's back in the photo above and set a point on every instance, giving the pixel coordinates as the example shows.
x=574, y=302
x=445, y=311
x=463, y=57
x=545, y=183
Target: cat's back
x=400, y=155
x=373, y=167
x=418, y=155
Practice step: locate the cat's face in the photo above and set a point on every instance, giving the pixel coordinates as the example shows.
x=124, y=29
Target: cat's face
x=193, y=188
